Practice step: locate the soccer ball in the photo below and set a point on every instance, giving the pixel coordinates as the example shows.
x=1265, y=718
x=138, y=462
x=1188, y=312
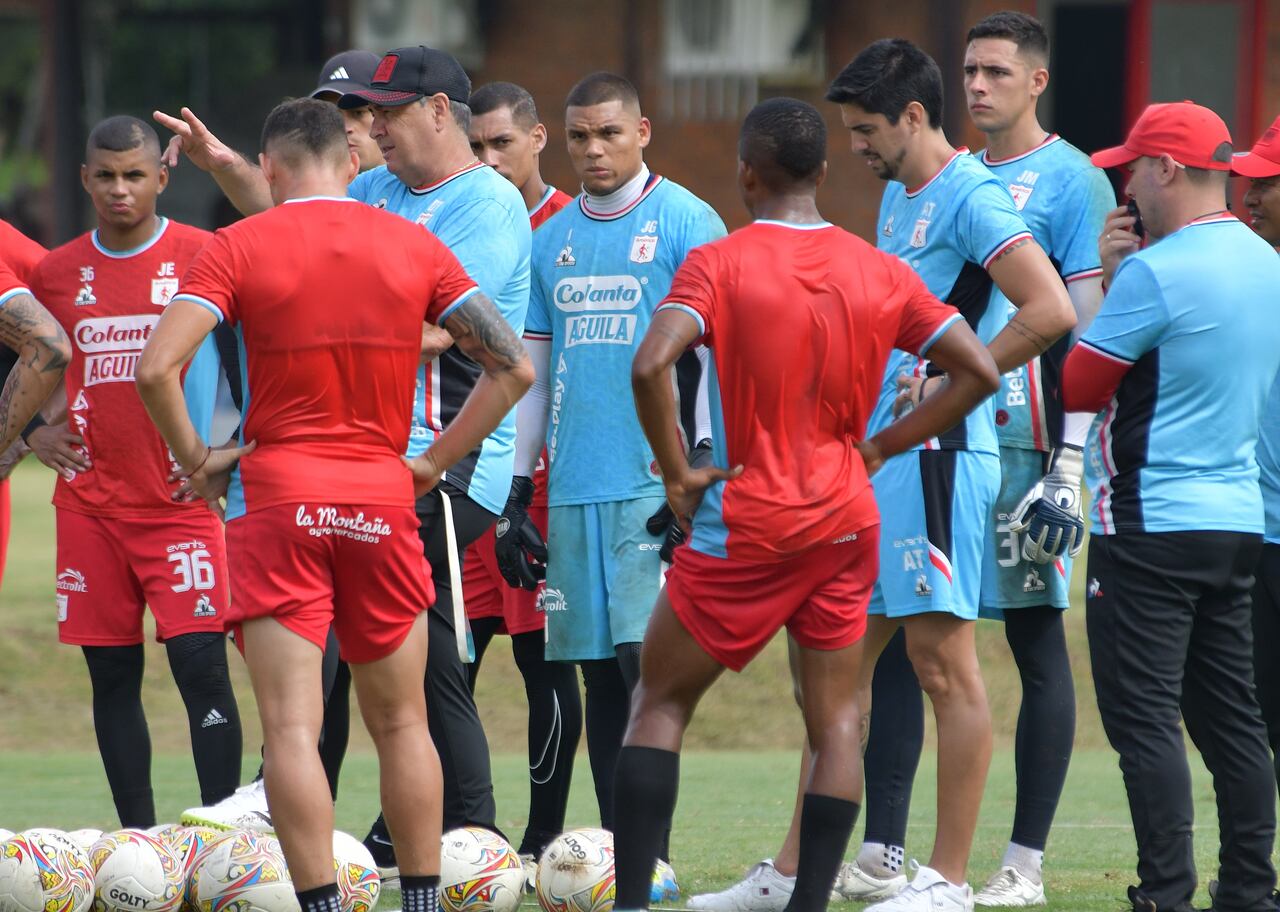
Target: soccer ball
x=243, y=871
x=44, y=871
x=135, y=872
x=5, y=834
x=479, y=872
x=576, y=872
x=357, y=874
x=85, y=838
x=187, y=842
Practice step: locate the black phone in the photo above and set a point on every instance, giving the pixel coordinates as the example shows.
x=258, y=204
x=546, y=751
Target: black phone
x=1138, y=228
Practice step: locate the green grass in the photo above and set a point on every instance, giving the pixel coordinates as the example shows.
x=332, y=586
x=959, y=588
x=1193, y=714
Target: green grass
x=739, y=766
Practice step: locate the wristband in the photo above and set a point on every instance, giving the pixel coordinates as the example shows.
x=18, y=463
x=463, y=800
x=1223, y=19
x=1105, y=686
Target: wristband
x=207, y=453
x=35, y=423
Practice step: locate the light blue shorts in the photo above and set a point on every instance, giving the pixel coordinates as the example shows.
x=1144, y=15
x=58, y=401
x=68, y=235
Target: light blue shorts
x=603, y=577
x=1009, y=581
x=934, y=506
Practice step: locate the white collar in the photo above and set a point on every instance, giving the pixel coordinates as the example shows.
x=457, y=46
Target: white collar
x=621, y=198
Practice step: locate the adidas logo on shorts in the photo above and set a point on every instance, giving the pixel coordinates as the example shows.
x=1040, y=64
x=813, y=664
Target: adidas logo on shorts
x=214, y=718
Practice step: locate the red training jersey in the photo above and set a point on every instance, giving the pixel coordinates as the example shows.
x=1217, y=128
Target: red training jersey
x=329, y=296
x=552, y=202
x=800, y=321
x=109, y=302
x=17, y=251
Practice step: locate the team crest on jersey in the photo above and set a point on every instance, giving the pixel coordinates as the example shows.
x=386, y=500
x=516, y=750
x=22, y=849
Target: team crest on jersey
x=162, y=291
x=918, y=233
x=888, y=226
x=1020, y=193
x=565, y=257
x=643, y=248
x=84, y=297
x=204, y=608
x=429, y=213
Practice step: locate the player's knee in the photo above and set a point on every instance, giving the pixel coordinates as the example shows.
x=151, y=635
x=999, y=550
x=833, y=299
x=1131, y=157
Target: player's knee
x=389, y=719
x=941, y=674
x=199, y=663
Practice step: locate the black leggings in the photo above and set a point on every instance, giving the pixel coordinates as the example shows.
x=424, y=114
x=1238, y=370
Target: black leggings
x=199, y=665
x=555, y=725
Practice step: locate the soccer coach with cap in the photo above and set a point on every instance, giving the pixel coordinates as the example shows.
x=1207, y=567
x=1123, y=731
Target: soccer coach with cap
x=1178, y=364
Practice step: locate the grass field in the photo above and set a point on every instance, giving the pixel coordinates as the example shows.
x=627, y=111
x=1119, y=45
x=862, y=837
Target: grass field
x=738, y=771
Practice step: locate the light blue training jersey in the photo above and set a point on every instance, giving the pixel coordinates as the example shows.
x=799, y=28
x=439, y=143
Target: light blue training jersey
x=1064, y=200
x=481, y=217
x=597, y=280
x=949, y=231
x=1269, y=464
x=1193, y=319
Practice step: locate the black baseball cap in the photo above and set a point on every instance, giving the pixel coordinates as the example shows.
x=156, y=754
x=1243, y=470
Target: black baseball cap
x=409, y=73
x=346, y=72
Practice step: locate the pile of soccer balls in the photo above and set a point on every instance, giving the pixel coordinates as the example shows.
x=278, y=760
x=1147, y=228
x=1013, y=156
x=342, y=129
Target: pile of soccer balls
x=166, y=869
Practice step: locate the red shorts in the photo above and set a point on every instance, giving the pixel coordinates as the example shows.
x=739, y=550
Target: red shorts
x=110, y=567
x=733, y=608
x=311, y=566
x=487, y=593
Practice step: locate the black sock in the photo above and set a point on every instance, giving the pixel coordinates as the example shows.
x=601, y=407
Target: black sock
x=555, y=726
x=645, y=800
x=893, y=751
x=320, y=899
x=121, y=726
x=629, y=664
x=826, y=824
x=1046, y=719
x=419, y=893
x=199, y=665
x=606, y=713
x=337, y=726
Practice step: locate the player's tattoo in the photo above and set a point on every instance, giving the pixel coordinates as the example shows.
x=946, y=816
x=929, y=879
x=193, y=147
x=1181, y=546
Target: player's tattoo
x=43, y=351
x=1011, y=248
x=484, y=336
x=1036, y=339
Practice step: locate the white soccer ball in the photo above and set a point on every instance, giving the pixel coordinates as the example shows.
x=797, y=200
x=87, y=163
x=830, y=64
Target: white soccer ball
x=187, y=842
x=85, y=838
x=44, y=871
x=5, y=834
x=135, y=872
x=243, y=871
x=575, y=873
x=357, y=873
x=479, y=872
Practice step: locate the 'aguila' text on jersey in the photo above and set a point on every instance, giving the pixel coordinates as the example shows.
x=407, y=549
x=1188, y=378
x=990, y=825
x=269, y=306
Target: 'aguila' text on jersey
x=482, y=219
x=597, y=280
x=949, y=231
x=1064, y=200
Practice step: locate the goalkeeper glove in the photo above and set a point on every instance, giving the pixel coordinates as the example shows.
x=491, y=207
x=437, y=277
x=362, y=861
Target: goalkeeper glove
x=518, y=545
x=1049, y=515
x=663, y=522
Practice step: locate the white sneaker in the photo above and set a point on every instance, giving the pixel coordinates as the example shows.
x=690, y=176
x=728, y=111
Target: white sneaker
x=244, y=809
x=1010, y=887
x=928, y=891
x=530, y=863
x=856, y=884
x=764, y=889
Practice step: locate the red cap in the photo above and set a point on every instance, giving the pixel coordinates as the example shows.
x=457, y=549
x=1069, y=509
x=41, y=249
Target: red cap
x=1263, y=160
x=1190, y=134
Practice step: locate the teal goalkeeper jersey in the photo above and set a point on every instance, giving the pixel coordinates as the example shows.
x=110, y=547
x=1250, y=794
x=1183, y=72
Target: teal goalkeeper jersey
x=596, y=281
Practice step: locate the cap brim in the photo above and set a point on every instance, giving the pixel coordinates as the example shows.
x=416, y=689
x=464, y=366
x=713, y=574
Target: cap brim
x=381, y=97
x=1113, y=157
x=338, y=87
x=1248, y=164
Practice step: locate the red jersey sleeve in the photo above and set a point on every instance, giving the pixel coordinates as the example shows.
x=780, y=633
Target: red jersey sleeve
x=10, y=284
x=19, y=252
x=211, y=279
x=695, y=291
x=922, y=317
x=452, y=284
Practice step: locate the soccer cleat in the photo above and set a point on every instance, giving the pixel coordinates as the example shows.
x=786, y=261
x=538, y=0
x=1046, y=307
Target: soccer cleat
x=856, y=884
x=928, y=891
x=1010, y=887
x=664, y=887
x=244, y=809
x=384, y=854
x=530, y=862
x=764, y=889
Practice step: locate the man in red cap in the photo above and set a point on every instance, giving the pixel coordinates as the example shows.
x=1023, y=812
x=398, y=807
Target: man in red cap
x=1262, y=201
x=1176, y=515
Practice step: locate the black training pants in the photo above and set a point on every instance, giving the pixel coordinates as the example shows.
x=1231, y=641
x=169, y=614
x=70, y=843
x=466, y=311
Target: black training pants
x=1168, y=618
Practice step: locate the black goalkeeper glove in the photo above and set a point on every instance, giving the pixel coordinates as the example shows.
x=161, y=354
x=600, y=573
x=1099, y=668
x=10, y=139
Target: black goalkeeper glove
x=663, y=522
x=1049, y=516
x=518, y=545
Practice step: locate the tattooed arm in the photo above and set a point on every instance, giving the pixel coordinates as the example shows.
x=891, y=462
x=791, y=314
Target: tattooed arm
x=43, y=352
x=486, y=338
x=1044, y=315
